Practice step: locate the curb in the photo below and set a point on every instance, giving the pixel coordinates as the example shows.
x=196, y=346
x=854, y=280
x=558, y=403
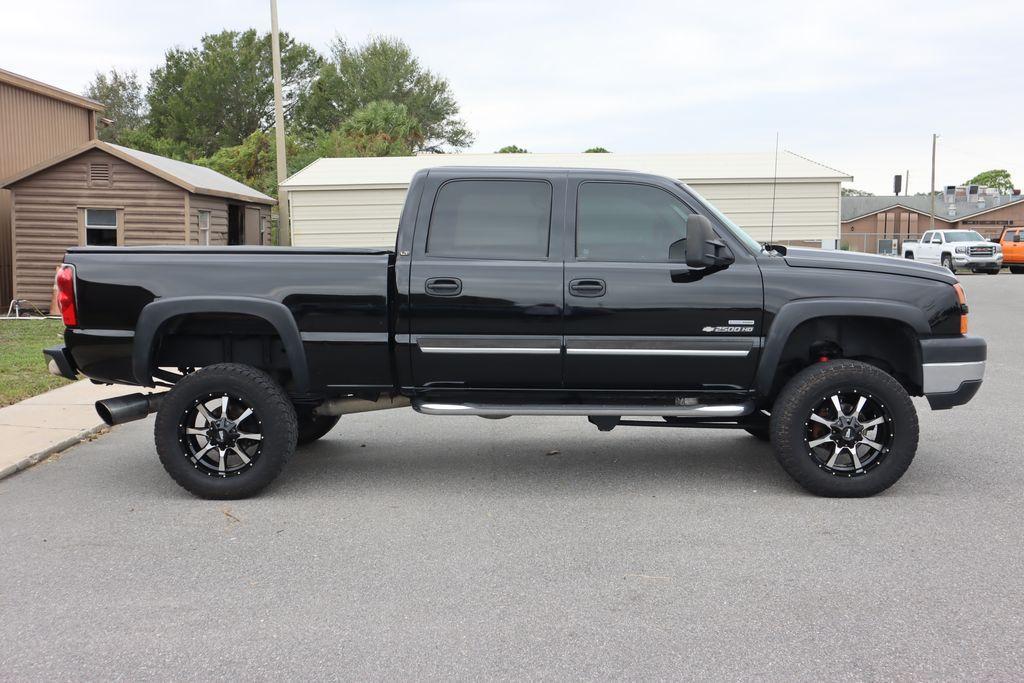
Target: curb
x=40, y=456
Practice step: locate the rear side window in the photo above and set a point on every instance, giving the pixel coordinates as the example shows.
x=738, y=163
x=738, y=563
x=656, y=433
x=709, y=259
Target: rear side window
x=492, y=219
x=627, y=222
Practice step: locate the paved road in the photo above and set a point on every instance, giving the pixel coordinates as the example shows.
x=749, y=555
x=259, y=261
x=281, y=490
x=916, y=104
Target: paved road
x=416, y=547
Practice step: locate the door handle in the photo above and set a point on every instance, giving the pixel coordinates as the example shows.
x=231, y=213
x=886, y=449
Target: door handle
x=587, y=287
x=443, y=286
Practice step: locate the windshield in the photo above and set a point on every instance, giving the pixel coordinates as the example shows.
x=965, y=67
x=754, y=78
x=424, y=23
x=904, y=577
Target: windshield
x=736, y=230
x=963, y=236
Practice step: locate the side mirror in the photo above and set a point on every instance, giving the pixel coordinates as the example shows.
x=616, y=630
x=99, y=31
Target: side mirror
x=703, y=248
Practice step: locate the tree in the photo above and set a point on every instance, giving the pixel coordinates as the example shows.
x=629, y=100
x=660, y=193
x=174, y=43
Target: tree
x=217, y=94
x=998, y=178
x=512, y=149
x=254, y=162
x=380, y=129
x=596, y=150
x=121, y=95
x=383, y=69
x=851, y=192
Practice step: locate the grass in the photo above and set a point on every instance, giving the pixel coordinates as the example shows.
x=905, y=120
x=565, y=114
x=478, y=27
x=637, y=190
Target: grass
x=22, y=366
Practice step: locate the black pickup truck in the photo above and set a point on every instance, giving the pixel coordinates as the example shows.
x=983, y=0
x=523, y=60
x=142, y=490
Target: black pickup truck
x=622, y=297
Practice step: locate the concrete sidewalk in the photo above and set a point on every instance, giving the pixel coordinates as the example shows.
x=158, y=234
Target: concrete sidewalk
x=38, y=427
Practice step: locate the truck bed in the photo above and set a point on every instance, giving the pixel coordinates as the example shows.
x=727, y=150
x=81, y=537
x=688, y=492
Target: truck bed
x=335, y=301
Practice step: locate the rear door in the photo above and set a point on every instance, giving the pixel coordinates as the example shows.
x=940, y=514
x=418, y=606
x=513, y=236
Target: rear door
x=633, y=319
x=485, y=285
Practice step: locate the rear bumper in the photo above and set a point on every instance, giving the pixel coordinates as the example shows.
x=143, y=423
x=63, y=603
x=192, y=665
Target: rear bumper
x=60, y=363
x=953, y=369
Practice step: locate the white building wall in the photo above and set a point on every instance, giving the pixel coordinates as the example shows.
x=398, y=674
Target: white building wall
x=368, y=217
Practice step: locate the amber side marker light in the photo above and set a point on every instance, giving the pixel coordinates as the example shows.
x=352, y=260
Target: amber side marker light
x=962, y=298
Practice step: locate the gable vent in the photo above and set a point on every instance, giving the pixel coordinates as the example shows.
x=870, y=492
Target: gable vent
x=99, y=174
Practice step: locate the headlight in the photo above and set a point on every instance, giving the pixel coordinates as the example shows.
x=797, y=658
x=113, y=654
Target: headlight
x=999, y=248
x=961, y=250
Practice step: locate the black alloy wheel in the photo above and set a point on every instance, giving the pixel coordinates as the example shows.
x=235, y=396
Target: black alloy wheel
x=225, y=431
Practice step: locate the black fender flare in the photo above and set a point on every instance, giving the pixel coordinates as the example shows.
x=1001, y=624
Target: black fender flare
x=792, y=314
x=154, y=315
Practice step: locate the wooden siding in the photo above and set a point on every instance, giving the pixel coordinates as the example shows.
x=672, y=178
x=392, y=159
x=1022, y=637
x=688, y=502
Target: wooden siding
x=364, y=217
x=33, y=128
x=218, y=208
x=48, y=208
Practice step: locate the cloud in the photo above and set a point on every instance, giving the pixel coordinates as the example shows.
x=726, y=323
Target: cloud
x=860, y=87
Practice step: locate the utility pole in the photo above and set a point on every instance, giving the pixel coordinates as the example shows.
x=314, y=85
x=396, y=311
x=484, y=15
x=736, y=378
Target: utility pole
x=935, y=137
x=284, y=234
x=906, y=184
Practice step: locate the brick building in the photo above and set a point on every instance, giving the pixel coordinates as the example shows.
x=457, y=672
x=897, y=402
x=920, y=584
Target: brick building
x=867, y=221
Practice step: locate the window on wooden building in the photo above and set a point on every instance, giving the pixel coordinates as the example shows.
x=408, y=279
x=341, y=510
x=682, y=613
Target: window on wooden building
x=204, y=228
x=101, y=227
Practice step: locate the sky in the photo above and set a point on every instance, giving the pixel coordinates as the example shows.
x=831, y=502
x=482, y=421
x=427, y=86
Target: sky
x=858, y=86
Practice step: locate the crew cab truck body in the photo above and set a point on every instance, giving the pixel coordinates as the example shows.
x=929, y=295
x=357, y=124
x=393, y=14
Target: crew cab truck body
x=953, y=249
x=618, y=296
x=1011, y=241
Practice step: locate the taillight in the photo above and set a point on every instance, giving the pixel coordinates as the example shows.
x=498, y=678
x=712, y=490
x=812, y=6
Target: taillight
x=66, y=295
x=962, y=298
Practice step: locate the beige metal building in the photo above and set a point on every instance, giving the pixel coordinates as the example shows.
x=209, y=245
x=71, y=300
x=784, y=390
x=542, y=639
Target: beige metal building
x=104, y=194
x=357, y=201
x=37, y=122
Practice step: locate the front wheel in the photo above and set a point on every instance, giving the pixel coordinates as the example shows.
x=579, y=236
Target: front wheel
x=844, y=429
x=909, y=255
x=1017, y=270
x=225, y=431
x=947, y=262
x=993, y=271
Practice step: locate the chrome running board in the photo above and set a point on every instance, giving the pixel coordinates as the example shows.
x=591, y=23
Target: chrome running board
x=715, y=411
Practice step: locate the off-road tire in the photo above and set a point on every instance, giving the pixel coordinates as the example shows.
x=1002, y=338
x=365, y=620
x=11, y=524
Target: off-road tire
x=277, y=421
x=947, y=263
x=1017, y=270
x=789, y=423
x=311, y=427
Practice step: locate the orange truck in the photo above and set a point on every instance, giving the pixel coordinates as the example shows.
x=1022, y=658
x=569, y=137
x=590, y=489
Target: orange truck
x=1012, y=242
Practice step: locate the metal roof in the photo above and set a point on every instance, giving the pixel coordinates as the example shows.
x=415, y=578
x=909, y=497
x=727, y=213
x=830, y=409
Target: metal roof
x=736, y=167
x=40, y=88
x=194, y=179
x=858, y=207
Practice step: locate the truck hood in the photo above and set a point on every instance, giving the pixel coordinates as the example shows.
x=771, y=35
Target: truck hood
x=847, y=260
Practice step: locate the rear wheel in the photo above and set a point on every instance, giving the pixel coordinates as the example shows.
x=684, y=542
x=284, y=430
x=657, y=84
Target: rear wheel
x=225, y=431
x=844, y=429
x=909, y=255
x=947, y=262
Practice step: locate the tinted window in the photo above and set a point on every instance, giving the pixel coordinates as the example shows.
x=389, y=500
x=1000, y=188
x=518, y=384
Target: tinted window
x=626, y=222
x=498, y=219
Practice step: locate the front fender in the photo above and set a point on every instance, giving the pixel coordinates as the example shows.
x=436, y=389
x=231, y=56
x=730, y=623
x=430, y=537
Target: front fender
x=794, y=313
x=154, y=315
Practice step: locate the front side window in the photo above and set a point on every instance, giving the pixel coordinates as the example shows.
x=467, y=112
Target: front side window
x=628, y=222
x=101, y=227
x=491, y=219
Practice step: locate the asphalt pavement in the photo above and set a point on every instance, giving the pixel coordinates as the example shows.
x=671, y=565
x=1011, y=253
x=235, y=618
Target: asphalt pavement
x=415, y=547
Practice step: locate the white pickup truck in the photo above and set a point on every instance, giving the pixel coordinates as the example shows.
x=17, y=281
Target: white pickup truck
x=956, y=249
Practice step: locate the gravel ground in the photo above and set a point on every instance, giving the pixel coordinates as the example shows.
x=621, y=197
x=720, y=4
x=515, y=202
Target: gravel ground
x=413, y=547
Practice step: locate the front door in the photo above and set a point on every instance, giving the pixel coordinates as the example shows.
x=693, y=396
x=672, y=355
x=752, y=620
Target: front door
x=634, y=319
x=485, y=285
